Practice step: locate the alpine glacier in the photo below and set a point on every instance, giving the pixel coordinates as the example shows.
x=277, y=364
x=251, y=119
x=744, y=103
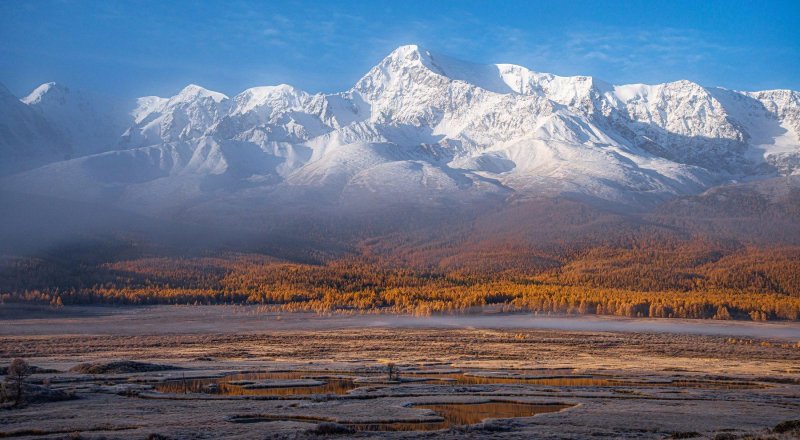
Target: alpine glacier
x=419, y=127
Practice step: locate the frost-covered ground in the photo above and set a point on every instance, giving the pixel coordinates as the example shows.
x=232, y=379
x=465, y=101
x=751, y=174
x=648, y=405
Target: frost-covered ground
x=32, y=320
x=712, y=378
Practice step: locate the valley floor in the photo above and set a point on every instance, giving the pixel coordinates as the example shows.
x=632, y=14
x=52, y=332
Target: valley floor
x=600, y=377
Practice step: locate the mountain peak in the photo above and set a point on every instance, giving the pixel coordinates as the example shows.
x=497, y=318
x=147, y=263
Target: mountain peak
x=415, y=55
x=193, y=91
x=280, y=95
x=269, y=93
x=46, y=91
x=405, y=57
x=277, y=89
x=406, y=50
x=414, y=60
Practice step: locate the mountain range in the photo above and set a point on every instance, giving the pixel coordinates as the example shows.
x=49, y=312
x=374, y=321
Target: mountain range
x=419, y=129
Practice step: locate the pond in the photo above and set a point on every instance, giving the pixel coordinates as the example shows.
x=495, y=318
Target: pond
x=244, y=384
x=451, y=414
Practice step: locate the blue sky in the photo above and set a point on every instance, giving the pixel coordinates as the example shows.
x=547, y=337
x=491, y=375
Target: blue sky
x=156, y=47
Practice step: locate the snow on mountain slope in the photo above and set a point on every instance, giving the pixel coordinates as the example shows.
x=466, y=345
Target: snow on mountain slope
x=187, y=115
x=155, y=178
x=145, y=106
x=26, y=138
x=56, y=123
x=277, y=114
x=777, y=124
x=426, y=128
x=680, y=121
x=87, y=123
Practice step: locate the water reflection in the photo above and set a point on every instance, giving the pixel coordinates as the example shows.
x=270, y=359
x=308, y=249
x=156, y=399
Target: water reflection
x=581, y=381
x=255, y=384
x=457, y=414
x=451, y=414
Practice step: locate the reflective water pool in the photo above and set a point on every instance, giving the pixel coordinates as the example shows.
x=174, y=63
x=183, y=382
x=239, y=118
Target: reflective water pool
x=254, y=384
x=451, y=414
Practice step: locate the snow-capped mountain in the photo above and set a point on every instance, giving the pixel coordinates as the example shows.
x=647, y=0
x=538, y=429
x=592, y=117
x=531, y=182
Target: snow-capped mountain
x=419, y=127
x=26, y=138
x=56, y=123
x=87, y=123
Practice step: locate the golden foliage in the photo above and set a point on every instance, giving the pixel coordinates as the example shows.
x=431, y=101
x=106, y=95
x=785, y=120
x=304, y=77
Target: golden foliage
x=757, y=284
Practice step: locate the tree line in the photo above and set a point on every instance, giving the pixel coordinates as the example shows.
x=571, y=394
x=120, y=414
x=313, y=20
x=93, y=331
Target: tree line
x=756, y=285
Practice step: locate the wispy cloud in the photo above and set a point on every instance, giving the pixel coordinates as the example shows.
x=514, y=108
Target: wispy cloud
x=326, y=46
x=618, y=55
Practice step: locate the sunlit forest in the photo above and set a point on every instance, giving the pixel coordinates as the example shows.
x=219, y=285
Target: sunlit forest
x=685, y=280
